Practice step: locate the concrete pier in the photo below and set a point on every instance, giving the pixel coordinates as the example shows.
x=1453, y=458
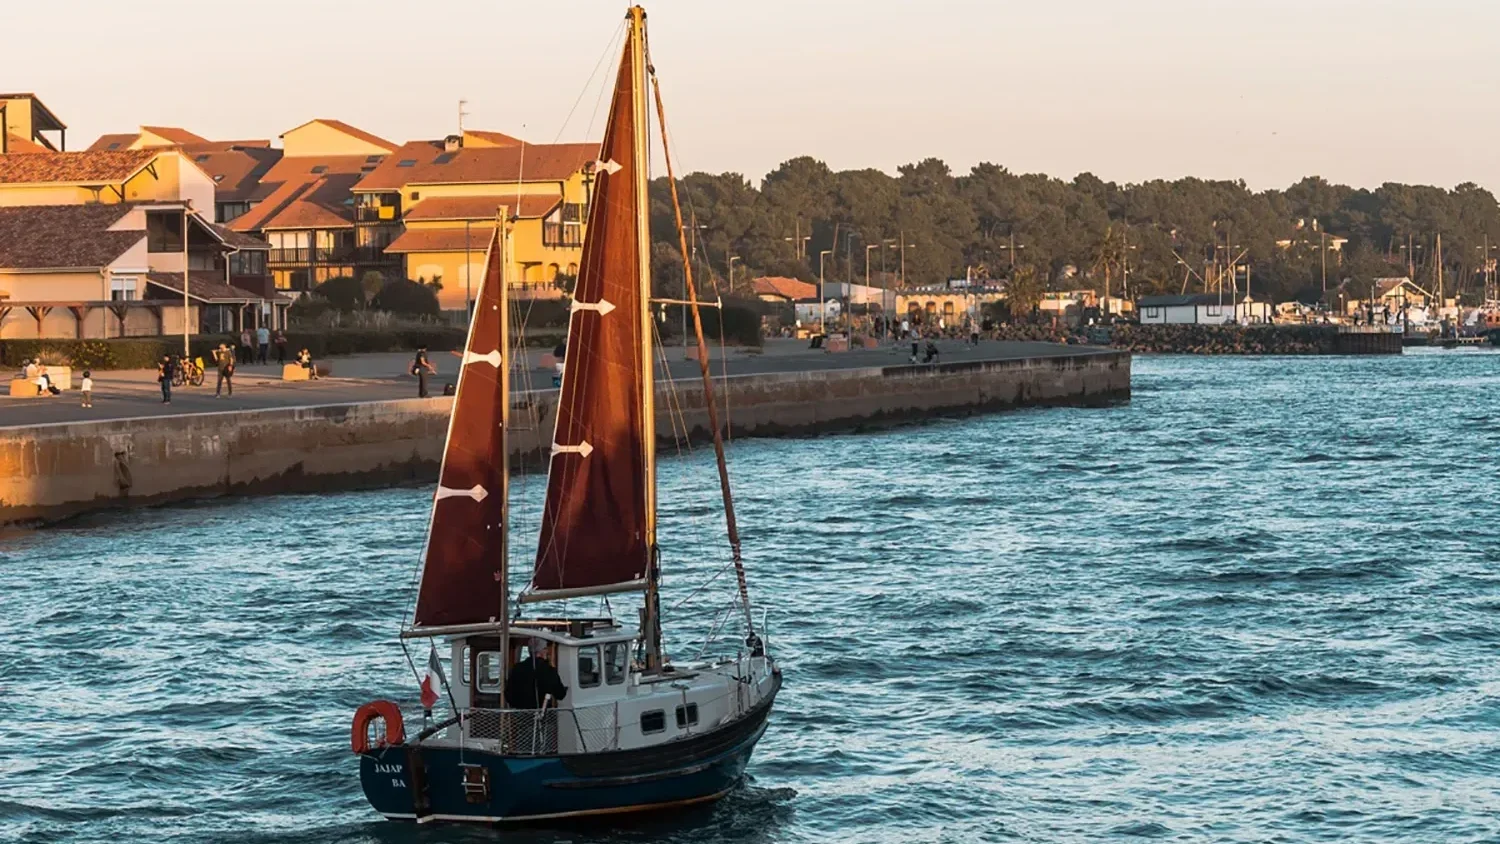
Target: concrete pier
x=52, y=471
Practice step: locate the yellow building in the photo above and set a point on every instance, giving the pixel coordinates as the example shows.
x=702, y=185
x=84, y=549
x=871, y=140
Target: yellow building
x=79, y=178
x=24, y=122
x=447, y=194
x=304, y=207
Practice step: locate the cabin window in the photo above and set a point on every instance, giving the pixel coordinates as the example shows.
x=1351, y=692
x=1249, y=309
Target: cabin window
x=1153, y=313
x=1215, y=310
x=654, y=721
x=588, y=667
x=687, y=715
x=490, y=668
x=467, y=681
x=616, y=662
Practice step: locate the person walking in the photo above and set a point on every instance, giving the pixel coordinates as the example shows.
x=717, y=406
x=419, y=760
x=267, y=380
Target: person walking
x=224, y=359
x=87, y=386
x=263, y=339
x=280, y=348
x=420, y=367
x=164, y=375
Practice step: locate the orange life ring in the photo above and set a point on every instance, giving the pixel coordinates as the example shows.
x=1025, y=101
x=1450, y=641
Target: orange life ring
x=359, y=734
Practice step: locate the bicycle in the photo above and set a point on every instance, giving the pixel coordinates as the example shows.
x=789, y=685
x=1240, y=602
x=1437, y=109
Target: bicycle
x=188, y=372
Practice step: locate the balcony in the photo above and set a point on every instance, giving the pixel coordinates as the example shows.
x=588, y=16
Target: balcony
x=376, y=213
x=375, y=255
x=289, y=256
x=318, y=255
x=562, y=235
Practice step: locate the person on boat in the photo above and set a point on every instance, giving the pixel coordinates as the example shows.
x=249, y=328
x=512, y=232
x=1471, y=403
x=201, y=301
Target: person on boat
x=533, y=679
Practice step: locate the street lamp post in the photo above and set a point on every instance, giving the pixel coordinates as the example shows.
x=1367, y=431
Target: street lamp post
x=822, y=297
x=731, y=260
x=185, y=305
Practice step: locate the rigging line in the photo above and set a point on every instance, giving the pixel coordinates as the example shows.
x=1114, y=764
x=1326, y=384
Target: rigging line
x=674, y=404
x=609, y=49
x=704, y=585
x=703, y=363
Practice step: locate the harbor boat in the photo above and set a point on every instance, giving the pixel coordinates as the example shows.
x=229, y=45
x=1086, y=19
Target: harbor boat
x=556, y=715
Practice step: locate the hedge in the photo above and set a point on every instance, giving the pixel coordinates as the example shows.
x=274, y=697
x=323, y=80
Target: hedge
x=145, y=352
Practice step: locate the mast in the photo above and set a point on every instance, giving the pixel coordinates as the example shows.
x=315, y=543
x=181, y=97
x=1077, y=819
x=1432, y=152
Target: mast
x=502, y=225
x=640, y=147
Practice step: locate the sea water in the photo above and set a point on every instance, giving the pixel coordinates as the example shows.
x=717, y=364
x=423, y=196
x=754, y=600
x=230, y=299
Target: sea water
x=1260, y=601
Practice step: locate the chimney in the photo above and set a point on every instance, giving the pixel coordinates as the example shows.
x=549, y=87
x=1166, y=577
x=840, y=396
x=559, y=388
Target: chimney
x=453, y=143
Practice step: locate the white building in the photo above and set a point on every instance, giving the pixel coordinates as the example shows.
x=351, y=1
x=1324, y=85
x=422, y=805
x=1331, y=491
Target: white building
x=1203, y=309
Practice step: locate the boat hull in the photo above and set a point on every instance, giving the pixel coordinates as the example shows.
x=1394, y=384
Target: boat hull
x=424, y=782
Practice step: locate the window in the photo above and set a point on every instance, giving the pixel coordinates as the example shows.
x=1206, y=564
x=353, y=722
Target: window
x=113, y=145
x=202, y=158
x=687, y=715
x=1153, y=313
x=444, y=158
x=407, y=162
x=654, y=721
x=588, y=667
x=1215, y=310
x=616, y=662
x=466, y=665
x=374, y=159
x=416, y=195
x=489, y=668
x=122, y=289
x=320, y=168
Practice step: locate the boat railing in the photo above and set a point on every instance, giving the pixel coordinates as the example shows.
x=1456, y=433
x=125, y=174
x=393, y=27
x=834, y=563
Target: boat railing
x=546, y=732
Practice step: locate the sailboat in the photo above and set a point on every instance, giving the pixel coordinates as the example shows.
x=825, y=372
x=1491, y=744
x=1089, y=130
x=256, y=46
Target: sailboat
x=566, y=716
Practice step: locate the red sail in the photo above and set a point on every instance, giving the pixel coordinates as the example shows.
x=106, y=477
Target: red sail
x=593, y=532
x=463, y=574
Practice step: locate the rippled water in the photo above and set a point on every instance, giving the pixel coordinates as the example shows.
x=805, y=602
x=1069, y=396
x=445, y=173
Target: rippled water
x=1260, y=602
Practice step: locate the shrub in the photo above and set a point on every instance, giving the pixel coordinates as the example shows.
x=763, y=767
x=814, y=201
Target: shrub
x=342, y=292
x=407, y=297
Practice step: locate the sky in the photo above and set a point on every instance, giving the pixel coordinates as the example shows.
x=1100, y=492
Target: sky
x=1268, y=91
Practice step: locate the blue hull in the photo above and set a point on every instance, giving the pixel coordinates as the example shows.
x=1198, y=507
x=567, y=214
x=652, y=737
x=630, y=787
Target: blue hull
x=423, y=782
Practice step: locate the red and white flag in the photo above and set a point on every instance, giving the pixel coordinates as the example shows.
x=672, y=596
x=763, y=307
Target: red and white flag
x=433, y=680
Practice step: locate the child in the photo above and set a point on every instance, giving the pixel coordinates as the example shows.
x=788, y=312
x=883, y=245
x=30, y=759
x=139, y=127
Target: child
x=88, y=388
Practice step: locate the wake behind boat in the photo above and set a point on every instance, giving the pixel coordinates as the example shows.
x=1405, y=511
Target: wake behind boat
x=557, y=717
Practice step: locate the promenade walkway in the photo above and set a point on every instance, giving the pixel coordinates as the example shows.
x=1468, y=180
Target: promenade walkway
x=376, y=377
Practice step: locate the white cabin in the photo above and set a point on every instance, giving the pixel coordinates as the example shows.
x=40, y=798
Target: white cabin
x=611, y=703
x=1203, y=309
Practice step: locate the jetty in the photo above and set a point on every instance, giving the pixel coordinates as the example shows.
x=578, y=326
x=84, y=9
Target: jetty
x=328, y=435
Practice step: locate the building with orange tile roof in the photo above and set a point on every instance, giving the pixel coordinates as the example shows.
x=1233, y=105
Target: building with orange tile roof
x=446, y=195
x=302, y=205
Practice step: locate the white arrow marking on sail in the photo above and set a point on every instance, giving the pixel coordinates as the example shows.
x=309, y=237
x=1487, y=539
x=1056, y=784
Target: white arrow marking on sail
x=611, y=166
x=603, y=306
x=582, y=448
x=492, y=358
x=478, y=493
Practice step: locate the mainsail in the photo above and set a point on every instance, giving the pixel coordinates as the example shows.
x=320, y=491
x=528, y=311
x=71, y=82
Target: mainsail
x=598, y=524
x=463, y=572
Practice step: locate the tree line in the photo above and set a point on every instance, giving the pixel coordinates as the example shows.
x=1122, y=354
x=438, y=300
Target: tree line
x=1049, y=234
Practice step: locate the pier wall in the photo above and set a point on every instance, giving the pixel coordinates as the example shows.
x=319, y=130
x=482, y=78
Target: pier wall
x=50, y=472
